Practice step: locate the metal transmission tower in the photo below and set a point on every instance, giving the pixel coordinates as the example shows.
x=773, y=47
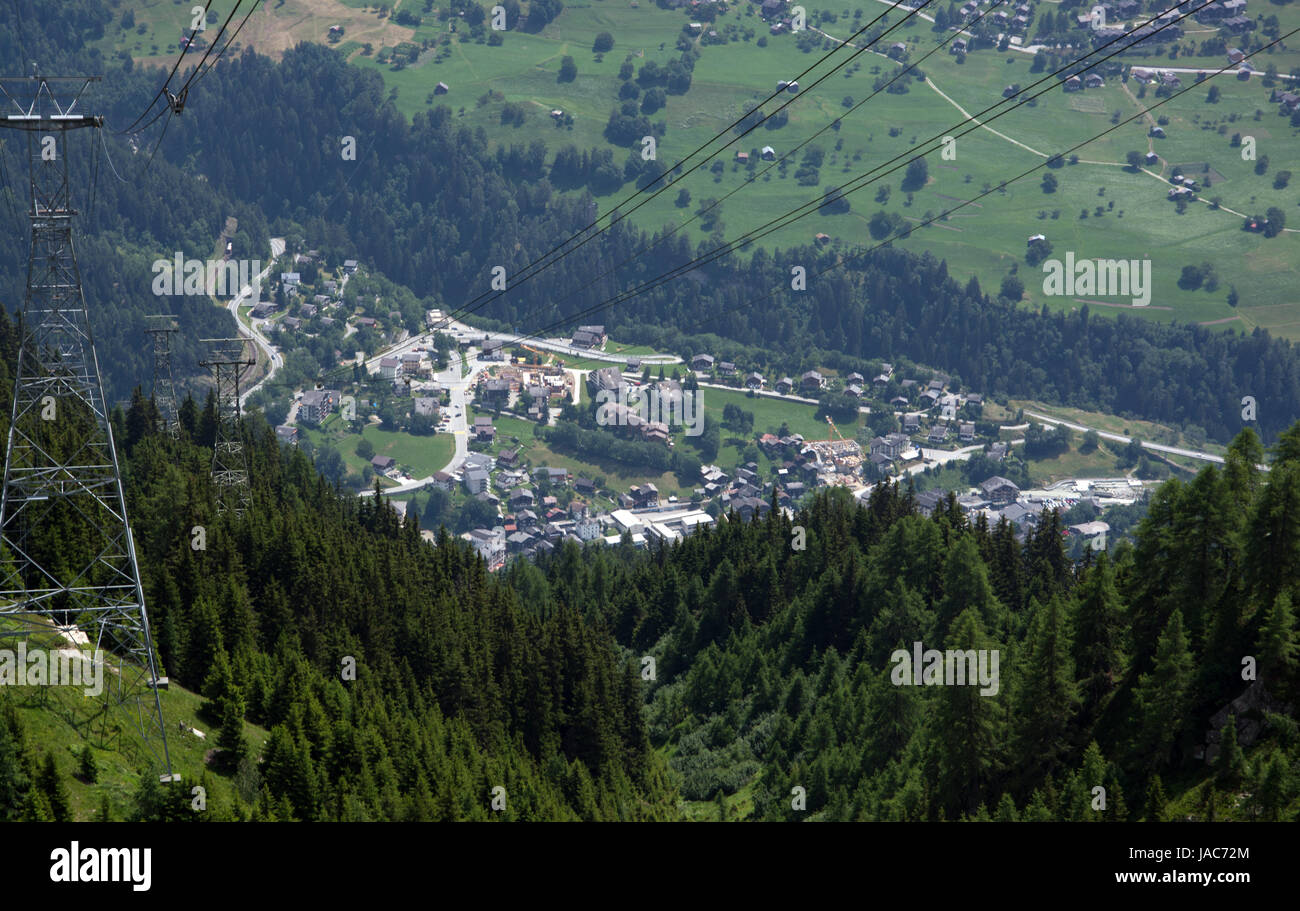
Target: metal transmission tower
x=229, y=467
x=164, y=389
x=67, y=556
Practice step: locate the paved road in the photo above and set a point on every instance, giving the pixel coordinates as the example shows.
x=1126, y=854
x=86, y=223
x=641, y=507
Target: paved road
x=1155, y=447
x=253, y=331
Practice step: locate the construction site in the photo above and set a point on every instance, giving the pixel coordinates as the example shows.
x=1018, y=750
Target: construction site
x=843, y=453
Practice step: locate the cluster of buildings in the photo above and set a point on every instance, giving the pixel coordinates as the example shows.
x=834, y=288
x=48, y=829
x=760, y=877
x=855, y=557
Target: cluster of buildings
x=546, y=386
x=998, y=498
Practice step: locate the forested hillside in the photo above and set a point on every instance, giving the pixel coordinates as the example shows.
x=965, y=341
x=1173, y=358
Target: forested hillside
x=774, y=664
x=460, y=684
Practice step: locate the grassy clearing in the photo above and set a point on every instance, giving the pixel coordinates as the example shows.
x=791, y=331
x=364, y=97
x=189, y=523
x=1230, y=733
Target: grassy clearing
x=62, y=720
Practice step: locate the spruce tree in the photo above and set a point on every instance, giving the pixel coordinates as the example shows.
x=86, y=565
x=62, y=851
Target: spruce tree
x=87, y=770
x=1161, y=699
x=1230, y=764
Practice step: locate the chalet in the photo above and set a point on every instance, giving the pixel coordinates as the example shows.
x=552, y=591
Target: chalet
x=900, y=401
x=999, y=490
x=262, y=309
x=966, y=432
x=812, y=380
x=767, y=153
x=634, y=364
x=938, y=434
x=585, y=486
x=1289, y=100
x=702, y=362
x=286, y=433
x=911, y=423
x=976, y=399
x=1157, y=132
x=290, y=279
x=1073, y=84
x=483, y=430
x=821, y=238
x=292, y=323
x=589, y=337
x=525, y=518
x=644, y=495
x=349, y=266
x=508, y=458
x=307, y=311
x=996, y=452
x=727, y=368
x=443, y=481
x=367, y=322
x=897, y=50
x=551, y=475
x=927, y=501
x=1094, y=81
x=784, y=385
x=1237, y=24
x=1019, y=516
x=754, y=381
x=491, y=350
x=742, y=157
x=496, y=391
x=958, y=46
x=521, y=497
x=383, y=463
x=441, y=88
x=929, y=398
x=855, y=377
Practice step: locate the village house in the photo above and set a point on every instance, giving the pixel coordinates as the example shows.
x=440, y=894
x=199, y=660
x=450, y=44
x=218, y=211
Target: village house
x=999, y=490
x=784, y=385
x=589, y=337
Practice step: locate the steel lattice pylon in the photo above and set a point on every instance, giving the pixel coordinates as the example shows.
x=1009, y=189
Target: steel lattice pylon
x=67, y=556
x=164, y=388
x=229, y=467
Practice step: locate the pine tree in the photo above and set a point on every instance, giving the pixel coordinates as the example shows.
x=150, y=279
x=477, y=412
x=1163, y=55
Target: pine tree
x=1046, y=698
x=1098, y=635
x=13, y=782
x=1161, y=697
x=1230, y=764
x=1155, y=802
x=965, y=729
x=51, y=784
x=87, y=770
x=1277, y=646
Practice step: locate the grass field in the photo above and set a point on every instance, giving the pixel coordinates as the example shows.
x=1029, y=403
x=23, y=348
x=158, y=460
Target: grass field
x=1127, y=213
x=423, y=455
x=985, y=238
